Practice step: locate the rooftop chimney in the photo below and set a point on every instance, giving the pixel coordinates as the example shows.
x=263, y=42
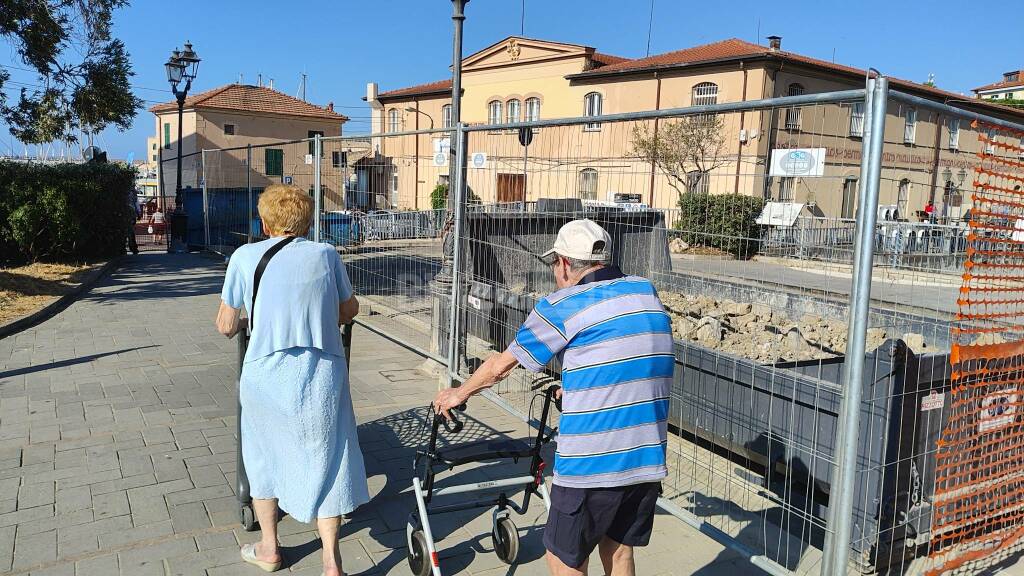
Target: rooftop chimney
x=775, y=43
x=330, y=106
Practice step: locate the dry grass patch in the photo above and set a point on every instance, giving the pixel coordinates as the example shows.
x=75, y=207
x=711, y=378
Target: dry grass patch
x=26, y=289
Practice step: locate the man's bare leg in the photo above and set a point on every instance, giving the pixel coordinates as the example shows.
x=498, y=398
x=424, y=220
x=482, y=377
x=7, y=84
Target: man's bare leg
x=617, y=558
x=558, y=568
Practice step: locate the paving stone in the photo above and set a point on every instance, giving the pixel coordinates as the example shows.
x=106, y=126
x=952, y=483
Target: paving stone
x=33, y=549
x=75, y=498
x=188, y=517
x=32, y=495
x=199, y=562
x=150, y=559
x=217, y=540
x=98, y=566
x=110, y=504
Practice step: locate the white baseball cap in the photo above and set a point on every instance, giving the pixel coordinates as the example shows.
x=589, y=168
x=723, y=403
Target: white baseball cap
x=582, y=240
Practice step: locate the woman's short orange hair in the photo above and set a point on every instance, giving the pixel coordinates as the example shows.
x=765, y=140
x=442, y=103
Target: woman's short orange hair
x=286, y=209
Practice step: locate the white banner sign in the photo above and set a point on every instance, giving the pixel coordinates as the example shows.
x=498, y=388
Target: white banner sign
x=478, y=160
x=798, y=162
x=442, y=145
x=440, y=159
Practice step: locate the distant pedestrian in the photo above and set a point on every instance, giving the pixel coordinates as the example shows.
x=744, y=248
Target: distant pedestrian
x=132, y=201
x=929, y=211
x=157, y=223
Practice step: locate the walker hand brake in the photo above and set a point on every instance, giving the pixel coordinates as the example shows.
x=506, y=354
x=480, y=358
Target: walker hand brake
x=454, y=426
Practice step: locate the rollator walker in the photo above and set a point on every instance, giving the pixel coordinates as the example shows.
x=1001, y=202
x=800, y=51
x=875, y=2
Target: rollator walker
x=422, y=553
x=245, y=511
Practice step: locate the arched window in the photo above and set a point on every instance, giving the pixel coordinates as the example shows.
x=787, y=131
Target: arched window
x=512, y=109
x=698, y=182
x=793, y=113
x=903, y=198
x=446, y=116
x=394, y=121
x=909, y=125
x=588, y=184
x=704, y=94
x=592, y=105
x=494, y=112
x=532, y=109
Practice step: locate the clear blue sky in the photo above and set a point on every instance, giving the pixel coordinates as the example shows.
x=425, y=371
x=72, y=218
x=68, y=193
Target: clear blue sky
x=343, y=44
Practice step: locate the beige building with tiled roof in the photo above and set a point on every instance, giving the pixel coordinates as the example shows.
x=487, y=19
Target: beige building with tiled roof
x=926, y=154
x=239, y=115
x=1011, y=87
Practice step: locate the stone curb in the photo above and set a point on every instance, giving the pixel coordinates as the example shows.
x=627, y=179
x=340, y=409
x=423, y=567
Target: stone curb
x=55, y=307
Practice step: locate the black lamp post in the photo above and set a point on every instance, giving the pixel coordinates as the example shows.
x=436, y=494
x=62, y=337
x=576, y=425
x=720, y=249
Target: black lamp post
x=181, y=66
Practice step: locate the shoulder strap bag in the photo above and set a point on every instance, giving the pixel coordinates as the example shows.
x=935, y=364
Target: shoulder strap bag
x=259, y=274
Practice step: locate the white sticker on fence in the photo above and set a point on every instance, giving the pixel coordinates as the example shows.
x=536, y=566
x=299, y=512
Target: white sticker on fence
x=442, y=145
x=998, y=410
x=933, y=401
x=473, y=301
x=478, y=160
x=309, y=158
x=798, y=162
x=440, y=159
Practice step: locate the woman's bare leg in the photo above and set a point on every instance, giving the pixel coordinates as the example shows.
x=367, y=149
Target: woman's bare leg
x=328, y=528
x=267, y=549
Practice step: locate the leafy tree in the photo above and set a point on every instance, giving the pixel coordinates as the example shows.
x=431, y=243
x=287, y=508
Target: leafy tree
x=439, y=197
x=685, y=150
x=82, y=71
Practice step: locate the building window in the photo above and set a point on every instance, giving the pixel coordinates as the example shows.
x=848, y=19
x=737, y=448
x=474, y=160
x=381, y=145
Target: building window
x=990, y=147
x=954, y=133
x=786, y=187
x=532, y=109
x=273, y=162
x=588, y=184
x=394, y=187
x=167, y=135
x=154, y=157
x=857, y=120
x=339, y=159
x=312, y=134
x=793, y=113
x=229, y=129
x=512, y=109
x=704, y=94
x=154, y=145
x=394, y=121
x=909, y=126
x=446, y=116
x=698, y=182
x=849, y=197
x=494, y=112
x=592, y=105
x=903, y=198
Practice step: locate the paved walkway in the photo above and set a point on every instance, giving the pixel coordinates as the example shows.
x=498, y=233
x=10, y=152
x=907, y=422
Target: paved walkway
x=117, y=447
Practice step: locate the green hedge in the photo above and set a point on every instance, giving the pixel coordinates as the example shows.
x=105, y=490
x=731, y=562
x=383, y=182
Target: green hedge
x=62, y=212
x=439, y=197
x=722, y=221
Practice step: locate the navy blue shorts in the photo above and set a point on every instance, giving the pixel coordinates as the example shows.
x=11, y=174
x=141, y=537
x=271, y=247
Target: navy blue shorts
x=580, y=517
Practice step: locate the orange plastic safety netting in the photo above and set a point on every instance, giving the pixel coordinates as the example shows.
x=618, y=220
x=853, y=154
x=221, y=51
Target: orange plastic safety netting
x=978, y=503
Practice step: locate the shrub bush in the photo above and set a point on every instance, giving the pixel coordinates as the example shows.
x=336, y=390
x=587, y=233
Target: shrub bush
x=722, y=221
x=63, y=212
x=439, y=197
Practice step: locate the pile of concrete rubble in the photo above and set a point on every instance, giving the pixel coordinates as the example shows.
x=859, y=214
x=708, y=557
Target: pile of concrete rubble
x=759, y=333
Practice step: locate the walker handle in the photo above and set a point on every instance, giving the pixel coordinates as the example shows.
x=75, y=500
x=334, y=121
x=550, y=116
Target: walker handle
x=455, y=425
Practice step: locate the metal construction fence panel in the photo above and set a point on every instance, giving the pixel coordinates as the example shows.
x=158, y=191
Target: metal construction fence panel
x=819, y=383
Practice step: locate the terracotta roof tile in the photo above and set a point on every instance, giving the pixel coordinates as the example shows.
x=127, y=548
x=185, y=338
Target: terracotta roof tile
x=714, y=51
x=256, y=99
x=607, y=59
x=1003, y=84
x=427, y=88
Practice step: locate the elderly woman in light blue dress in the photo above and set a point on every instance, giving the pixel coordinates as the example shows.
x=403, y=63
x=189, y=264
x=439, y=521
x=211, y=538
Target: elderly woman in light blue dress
x=299, y=439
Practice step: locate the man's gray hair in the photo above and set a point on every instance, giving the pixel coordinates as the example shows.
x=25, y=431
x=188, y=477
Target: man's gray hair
x=580, y=265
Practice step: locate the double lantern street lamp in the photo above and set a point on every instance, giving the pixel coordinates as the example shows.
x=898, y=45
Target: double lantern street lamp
x=181, y=67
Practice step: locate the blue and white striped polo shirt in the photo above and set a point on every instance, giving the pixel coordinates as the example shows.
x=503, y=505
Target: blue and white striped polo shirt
x=614, y=341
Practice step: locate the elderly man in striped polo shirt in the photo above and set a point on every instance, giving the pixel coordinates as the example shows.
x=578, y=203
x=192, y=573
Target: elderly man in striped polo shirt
x=614, y=340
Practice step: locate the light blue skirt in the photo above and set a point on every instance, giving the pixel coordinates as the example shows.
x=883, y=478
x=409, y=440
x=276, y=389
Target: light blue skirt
x=299, y=437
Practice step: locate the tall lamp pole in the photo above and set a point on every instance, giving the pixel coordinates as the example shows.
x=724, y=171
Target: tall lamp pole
x=181, y=67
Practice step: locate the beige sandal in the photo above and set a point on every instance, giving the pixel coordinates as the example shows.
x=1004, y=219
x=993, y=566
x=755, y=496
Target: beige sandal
x=249, y=555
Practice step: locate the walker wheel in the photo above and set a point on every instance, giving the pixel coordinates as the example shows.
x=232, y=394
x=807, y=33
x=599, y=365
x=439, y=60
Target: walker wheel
x=248, y=517
x=419, y=555
x=506, y=540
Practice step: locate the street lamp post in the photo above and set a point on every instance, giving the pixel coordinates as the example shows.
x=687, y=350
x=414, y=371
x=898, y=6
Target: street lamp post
x=418, y=111
x=181, y=67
